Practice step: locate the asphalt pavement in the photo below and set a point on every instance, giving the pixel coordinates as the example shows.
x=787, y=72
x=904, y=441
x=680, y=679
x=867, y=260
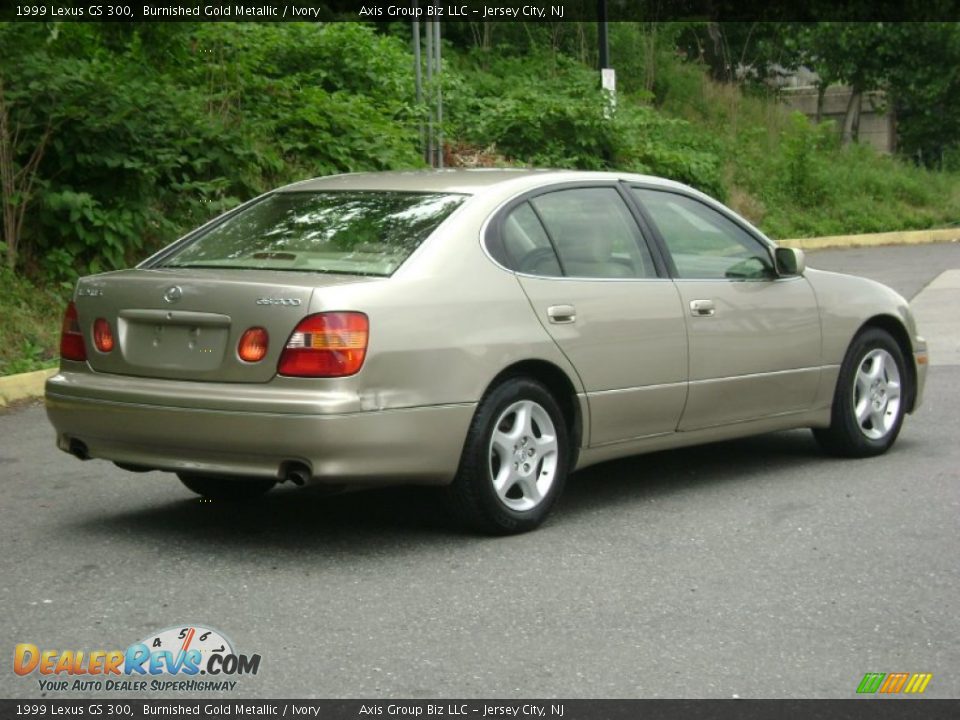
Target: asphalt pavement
x=753, y=568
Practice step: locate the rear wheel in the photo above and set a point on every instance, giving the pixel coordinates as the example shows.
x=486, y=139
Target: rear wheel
x=515, y=460
x=870, y=399
x=226, y=488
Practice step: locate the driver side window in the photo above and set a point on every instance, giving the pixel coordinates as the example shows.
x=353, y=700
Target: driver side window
x=703, y=243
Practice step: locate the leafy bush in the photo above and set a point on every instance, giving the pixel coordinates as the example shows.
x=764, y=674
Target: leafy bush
x=553, y=113
x=143, y=147
x=803, y=173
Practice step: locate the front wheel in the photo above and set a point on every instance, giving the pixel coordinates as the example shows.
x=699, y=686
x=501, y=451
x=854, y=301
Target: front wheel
x=870, y=399
x=225, y=488
x=515, y=460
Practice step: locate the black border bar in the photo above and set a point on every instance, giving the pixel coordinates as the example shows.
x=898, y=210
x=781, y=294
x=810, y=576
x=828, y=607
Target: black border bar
x=479, y=10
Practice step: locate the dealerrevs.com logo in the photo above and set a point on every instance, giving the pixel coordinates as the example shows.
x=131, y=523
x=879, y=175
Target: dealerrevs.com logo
x=185, y=658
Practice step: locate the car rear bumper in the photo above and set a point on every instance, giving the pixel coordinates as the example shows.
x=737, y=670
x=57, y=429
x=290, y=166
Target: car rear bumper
x=411, y=446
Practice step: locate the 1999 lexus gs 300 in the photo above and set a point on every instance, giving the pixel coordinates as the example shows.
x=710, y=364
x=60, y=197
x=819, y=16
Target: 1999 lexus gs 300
x=488, y=331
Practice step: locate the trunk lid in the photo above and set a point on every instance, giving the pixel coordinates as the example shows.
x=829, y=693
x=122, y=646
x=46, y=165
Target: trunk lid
x=185, y=324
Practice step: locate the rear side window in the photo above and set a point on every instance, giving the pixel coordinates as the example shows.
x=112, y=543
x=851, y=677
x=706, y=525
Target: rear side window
x=594, y=234
x=527, y=245
x=356, y=233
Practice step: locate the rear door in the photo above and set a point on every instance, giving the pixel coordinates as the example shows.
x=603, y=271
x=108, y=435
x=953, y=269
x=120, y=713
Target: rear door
x=754, y=337
x=604, y=298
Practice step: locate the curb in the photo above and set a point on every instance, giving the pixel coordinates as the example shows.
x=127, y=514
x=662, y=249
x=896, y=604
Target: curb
x=24, y=385
x=911, y=237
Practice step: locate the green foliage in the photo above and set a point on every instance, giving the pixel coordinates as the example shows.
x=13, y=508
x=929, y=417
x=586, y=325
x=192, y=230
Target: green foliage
x=29, y=325
x=553, y=113
x=855, y=190
x=549, y=114
x=145, y=145
x=804, y=170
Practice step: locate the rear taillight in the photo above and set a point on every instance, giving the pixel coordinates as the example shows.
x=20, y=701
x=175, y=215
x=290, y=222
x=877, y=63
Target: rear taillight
x=71, y=339
x=253, y=345
x=102, y=335
x=330, y=344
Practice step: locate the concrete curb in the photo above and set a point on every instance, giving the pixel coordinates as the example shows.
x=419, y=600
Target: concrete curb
x=912, y=237
x=25, y=385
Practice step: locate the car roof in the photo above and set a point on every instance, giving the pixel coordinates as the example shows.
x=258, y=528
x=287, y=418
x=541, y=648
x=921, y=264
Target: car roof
x=466, y=181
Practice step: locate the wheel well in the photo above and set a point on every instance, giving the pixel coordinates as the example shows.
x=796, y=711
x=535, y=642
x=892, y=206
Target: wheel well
x=899, y=333
x=559, y=385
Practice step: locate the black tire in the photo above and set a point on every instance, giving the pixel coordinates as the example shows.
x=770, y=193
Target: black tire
x=847, y=435
x=224, y=488
x=522, y=503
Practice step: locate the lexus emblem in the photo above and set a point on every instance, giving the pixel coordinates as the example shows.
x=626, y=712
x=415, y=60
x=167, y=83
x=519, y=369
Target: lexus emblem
x=173, y=294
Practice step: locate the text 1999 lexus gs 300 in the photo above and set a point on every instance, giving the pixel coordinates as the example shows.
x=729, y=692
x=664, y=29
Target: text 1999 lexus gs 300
x=488, y=331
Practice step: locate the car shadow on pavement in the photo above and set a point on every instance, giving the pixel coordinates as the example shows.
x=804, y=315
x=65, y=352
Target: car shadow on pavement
x=301, y=520
x=643, y=477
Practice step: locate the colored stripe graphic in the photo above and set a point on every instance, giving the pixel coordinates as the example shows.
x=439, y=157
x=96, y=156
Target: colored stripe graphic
x=918, y=683
x=894, y=682
x=871, y=682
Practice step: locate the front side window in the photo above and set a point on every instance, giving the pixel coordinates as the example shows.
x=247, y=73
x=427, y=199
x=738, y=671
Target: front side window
x=349, y=232
x=702, y=242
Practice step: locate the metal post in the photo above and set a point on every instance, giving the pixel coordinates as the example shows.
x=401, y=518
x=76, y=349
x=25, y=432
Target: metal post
x=602, y=29
x=429, y=27
x=439, y=71
x=418, y=76
x=608, y=76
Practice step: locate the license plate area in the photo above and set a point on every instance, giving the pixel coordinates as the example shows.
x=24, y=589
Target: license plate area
x=188, y=341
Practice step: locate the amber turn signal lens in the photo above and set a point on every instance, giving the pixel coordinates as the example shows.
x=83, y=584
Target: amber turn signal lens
x=253, y=345
x=102, y=335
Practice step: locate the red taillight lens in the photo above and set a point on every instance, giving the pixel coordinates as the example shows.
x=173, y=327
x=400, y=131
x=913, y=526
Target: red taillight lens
x=71, y=339
x=253, y=345
x=331, y=344
x=102, y=335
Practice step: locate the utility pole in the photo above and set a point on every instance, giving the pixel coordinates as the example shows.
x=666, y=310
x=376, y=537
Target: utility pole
x=418, y=70
x=608, y=76
x=436, y=47
x=430, y=91
x=432, y=145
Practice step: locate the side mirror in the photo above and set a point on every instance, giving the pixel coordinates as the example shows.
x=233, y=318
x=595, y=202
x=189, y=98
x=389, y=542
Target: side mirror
x=790, y=261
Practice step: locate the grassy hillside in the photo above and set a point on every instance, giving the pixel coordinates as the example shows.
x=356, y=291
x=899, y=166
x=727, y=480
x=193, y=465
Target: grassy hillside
x=29, y=325
x=781, y=171
x=792, y=178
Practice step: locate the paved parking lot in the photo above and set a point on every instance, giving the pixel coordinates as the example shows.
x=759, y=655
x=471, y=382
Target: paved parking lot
x=755, y=568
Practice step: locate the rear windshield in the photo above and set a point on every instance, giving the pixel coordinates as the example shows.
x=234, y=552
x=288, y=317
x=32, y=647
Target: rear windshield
x=355, y=233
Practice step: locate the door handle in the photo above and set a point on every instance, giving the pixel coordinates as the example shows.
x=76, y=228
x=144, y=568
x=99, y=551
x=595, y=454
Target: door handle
x=702, y=308
x=562, y=313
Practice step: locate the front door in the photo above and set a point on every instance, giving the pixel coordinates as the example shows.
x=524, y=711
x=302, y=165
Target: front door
x=754, y=337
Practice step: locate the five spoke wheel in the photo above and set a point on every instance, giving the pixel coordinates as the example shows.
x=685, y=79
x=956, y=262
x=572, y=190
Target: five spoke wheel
x=876, y=394
x=870, y=399
x=523, y=455
x=514, y=461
